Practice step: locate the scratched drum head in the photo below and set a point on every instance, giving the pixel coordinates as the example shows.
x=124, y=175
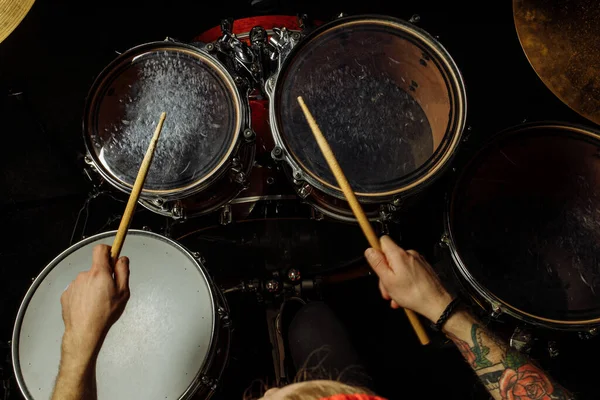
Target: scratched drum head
x=204, y=118
x=387, y=96
x=158, y=347
x=524, y=221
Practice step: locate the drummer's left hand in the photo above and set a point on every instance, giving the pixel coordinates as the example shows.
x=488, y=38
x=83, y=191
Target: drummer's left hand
x=92, y=303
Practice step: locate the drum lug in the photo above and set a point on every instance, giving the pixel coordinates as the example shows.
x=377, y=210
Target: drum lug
x=199, y=258
x=210, y=383
x=415, y=19
x=224, y=317
x=304, y=191
x=553, y=350
x=316, y=214
x=445, y=240
x=496, y=311
x=590, y=333
x=177, y=211
x=226, y=216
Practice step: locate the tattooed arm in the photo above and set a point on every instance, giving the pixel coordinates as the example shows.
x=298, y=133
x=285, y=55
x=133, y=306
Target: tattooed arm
x=506, y=373
x=407, y=280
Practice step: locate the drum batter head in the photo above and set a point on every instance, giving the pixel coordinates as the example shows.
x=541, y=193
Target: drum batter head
x=203, y=118
x=388, y=98
x=525, y=222
x=158, y=347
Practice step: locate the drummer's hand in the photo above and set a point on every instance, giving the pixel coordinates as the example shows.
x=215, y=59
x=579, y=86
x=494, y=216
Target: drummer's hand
x=407, y=280
x=92, y=303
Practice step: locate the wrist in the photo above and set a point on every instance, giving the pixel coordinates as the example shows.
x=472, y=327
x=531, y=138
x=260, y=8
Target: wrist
x=78, y=354
x=435, y=310
x=459, y=323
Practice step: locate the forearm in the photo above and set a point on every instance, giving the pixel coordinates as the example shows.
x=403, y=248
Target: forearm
x=504, y=371
x=76, y=377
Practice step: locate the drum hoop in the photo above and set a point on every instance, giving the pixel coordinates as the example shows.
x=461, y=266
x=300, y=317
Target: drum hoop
x=241, y=120
x=457, y=118
x=193, y=386
x=460, y=264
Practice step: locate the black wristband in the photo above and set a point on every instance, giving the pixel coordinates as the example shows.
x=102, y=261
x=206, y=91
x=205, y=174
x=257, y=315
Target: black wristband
x=450, y=308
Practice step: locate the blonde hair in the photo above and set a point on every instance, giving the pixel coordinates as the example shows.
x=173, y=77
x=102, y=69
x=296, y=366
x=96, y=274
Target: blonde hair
x=315, y=390
x=323, y=383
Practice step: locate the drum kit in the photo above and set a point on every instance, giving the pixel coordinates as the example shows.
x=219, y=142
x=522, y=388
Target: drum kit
x=522, y=222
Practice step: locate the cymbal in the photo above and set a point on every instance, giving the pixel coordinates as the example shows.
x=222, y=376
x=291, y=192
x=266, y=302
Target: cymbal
x=560, y=38
x=12, y=13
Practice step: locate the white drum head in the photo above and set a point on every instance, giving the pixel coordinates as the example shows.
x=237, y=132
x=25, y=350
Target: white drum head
x=158, y=347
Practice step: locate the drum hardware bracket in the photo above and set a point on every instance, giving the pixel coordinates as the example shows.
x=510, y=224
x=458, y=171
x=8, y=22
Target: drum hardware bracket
x=415, y=19
x=199, y=257
x=304, y=191
x=445, y=241
x=316, y=214
x=496, y=311
x=298, y=176
x=211, y=383
x=224, y=316
x=553, y=350
x=589, y=334
x=521, y=340
x=226, y=216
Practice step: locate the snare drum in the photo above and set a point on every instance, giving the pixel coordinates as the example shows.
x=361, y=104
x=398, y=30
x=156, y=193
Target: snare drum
x=170, y=343
x=388, y=98
x=523, y=225
x=206, y=146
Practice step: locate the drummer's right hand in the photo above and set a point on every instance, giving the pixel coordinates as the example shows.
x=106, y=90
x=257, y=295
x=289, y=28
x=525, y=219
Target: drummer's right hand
x=92, y=303
x=407, y=280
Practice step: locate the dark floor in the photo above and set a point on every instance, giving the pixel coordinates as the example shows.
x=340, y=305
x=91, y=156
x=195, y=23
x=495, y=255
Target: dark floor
x=48, y=64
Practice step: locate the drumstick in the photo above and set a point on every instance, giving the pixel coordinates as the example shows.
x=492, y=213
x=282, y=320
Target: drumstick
x=355, y=206
x=135, y=193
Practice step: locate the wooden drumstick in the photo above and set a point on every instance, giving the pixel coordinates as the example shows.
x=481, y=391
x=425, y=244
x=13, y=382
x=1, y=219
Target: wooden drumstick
x=355, y=206
x=135, y=193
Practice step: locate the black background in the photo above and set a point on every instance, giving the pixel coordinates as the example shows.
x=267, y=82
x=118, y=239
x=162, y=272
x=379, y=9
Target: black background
x=47, y=66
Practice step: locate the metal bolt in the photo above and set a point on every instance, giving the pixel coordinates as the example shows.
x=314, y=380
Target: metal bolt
x=235, y=161
x=272, y=286
x=293, y=274
x=296, y=35
x=196, y=255
x=210, y=47
x=297, y=175
x=397, y=201
x=249, y=134
x=277, y=152
x=238, y=80
x=270, y=180
x=146, y=228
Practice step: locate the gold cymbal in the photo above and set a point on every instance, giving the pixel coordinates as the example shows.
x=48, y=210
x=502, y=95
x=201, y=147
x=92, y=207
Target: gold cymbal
x=12, y=13
x=561, y=39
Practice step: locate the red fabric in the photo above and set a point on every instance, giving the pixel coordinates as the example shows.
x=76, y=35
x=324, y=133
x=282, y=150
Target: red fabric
x=246, y=24
x=353, y=397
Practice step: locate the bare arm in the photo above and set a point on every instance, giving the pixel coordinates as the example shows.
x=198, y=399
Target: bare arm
x=91, y=304
x=505, y=372
x=407, y=280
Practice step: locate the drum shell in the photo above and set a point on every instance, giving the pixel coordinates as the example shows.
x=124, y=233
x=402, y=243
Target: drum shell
x=218, y=349
x=330, y=200
x=475, y=290
x=221, y=185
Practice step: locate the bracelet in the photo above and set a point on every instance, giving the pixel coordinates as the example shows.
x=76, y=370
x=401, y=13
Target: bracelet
x=450, y=308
